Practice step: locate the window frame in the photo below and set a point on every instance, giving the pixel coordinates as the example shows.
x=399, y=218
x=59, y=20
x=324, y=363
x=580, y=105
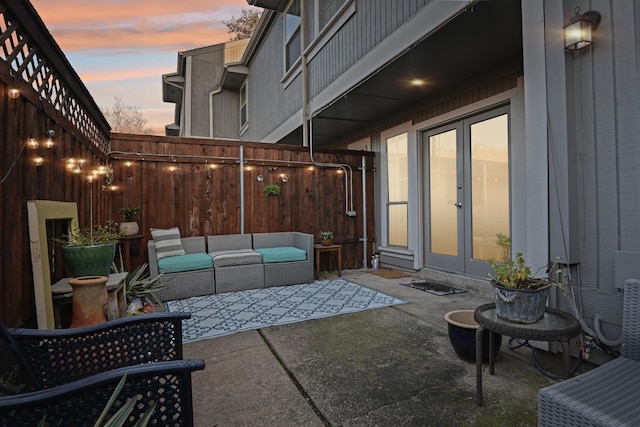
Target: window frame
x=291, y=36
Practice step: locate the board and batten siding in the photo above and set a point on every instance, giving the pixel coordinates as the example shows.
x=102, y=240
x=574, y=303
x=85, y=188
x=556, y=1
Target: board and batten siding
x=603, y=81
x=205, y=67
x=372, y=22
x=226, y=119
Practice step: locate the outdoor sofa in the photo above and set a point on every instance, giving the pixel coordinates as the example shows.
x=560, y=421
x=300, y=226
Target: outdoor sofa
x=227, y=263
x=607, y=395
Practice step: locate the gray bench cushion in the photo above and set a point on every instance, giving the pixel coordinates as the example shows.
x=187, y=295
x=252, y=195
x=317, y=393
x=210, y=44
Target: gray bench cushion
x=235, y=257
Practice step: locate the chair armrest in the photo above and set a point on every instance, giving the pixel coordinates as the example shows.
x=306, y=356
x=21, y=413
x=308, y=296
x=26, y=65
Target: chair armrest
x=167, y=384
x=64, y=355
x=153, y=259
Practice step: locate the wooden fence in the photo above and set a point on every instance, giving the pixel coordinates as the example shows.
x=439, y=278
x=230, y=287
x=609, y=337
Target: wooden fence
x=198, y=185
x=192, y=183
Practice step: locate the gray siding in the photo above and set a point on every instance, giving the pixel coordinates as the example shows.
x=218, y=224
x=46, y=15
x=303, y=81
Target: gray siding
x=266, y=88
x=372, y=22
x=607, y=136
x=226, y=121
x=206, y=67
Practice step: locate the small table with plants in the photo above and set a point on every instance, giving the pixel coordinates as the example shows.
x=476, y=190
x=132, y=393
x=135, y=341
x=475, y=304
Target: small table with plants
x=555, y=325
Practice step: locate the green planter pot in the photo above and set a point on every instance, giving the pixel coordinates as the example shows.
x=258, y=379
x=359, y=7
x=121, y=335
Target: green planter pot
x=93, y=260
x=520, y=305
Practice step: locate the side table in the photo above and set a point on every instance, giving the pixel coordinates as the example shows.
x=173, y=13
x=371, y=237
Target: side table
x=117, y=297
x=126, y=250
x=556, y=325
x=318, y=249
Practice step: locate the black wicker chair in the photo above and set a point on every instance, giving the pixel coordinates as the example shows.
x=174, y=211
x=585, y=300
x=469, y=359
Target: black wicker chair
x=70, y=374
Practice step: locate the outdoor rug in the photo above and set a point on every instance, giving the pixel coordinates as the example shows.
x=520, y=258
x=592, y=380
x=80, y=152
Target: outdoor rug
x=388, y=273
x=431, y=287
x=224, y=314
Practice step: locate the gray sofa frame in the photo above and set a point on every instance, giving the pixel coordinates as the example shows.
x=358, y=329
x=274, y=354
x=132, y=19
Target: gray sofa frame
x=184, y=284
x=241, y=277
x=286, y=273
x=607, y=395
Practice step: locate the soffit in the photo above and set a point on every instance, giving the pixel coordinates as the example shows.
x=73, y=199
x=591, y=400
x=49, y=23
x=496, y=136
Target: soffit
x=477, y=43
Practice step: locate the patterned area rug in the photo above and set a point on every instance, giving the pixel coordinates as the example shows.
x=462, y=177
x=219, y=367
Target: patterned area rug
x=224, y=314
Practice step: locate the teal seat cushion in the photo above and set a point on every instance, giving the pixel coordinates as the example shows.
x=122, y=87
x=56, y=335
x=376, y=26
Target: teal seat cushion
x=283, y=254
x=188, y=262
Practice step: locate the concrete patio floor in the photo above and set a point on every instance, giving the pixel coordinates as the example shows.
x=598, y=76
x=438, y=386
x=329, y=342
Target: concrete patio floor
x=382, y=367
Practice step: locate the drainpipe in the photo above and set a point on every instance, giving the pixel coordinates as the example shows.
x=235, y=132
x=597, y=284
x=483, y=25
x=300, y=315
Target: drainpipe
x=305, y=75
x=242, y=189
x=364, y=212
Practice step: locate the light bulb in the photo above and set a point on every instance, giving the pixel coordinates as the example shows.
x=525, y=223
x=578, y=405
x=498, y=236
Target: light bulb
x=33, y=143
x=38, y=161
x=14, y=93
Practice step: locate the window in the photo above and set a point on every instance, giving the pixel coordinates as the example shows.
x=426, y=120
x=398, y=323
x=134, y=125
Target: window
x=292, y=42
x=244, y=119
x=398, y=185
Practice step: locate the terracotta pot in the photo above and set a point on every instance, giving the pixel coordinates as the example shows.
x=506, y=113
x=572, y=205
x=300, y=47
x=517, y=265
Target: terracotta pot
x=89, y=300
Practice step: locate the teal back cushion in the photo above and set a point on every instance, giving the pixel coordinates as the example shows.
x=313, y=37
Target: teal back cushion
x=188, y=262
x=283, y=254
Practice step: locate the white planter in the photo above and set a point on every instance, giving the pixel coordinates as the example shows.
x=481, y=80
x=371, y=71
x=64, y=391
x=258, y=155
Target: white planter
x=129, y=228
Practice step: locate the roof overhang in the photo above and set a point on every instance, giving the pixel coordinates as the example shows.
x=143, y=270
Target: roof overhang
x=277, y=5
x=475, y=46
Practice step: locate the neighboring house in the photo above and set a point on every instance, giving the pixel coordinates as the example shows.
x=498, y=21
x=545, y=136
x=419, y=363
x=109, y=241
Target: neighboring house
x=207, y=80
x=483, y=122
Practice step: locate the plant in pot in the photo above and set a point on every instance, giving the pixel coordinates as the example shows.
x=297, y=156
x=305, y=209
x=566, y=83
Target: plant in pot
x=142, y=290
x=520, y=295
x=271, y=190
x=90, y=251
x=129, y=227
x=326, y=237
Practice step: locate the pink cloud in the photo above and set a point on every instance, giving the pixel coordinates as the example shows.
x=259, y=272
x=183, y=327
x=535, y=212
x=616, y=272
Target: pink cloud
x=78, y=25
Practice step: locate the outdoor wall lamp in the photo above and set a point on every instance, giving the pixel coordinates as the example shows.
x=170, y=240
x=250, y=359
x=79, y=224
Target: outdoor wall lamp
x=577, y=34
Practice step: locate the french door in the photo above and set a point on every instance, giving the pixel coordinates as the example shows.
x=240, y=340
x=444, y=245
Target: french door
x=467, y=192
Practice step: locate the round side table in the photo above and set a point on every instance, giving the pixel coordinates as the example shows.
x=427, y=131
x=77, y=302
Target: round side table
x=556, y=325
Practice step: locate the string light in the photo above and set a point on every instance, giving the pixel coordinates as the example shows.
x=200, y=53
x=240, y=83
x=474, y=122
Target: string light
x=38, y=161
x=48, y=143
x=33, y=143
x=14, y=93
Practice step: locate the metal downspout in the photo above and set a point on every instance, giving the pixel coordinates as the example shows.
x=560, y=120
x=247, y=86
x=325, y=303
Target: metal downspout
x=364, y=212
x=241, y=189
x=305, y=75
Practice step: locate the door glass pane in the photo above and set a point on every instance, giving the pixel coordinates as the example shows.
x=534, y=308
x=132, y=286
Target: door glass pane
x=443, y=193
x=489, y=185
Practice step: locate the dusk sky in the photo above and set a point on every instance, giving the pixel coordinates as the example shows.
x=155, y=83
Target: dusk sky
x=122, y=47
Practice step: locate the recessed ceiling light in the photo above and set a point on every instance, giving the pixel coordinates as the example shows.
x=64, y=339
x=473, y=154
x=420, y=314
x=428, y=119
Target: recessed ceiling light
x=417, y=82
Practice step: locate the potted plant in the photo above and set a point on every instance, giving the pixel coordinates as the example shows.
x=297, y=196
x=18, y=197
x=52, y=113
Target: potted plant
x=326, y=237
x=520, y=295
x=129, y=227
x=143, y=290
x=90, y=251
x=271, y=190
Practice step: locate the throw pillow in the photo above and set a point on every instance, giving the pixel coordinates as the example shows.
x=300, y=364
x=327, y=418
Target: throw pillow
x=167, y=242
